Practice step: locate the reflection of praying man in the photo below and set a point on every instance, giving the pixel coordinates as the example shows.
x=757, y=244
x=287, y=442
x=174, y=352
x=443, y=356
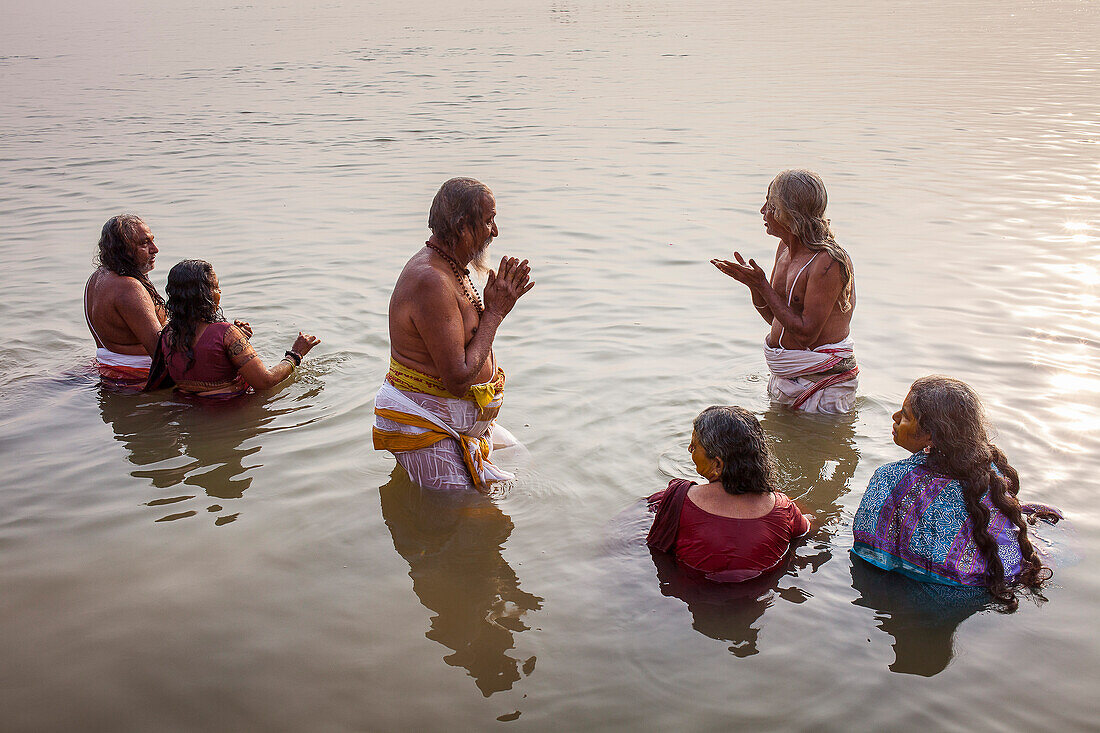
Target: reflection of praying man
x=809, y=300
x=435, y=412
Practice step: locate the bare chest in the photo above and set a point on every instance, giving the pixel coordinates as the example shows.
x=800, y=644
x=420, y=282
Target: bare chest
x=790, y=279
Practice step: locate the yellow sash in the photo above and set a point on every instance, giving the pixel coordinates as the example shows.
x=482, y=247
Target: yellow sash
x=394, y=441
x=408, y=379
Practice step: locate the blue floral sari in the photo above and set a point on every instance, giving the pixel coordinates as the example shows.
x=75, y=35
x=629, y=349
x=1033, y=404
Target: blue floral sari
x=915, y=522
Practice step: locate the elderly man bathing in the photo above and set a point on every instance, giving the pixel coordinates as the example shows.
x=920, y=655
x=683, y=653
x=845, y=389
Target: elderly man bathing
x=809, y=300
x=435, y=412
x=125, y=313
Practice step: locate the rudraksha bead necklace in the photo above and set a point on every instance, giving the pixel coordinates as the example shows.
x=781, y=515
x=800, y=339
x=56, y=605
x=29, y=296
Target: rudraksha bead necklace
x=463, y=276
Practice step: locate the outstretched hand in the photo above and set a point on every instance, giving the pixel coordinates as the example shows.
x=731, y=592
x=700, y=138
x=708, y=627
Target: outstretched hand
x=304, y=343
x=748, y=273
x=506, y=285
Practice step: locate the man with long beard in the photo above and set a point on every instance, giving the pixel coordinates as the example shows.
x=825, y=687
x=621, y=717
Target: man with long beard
x=435, y=412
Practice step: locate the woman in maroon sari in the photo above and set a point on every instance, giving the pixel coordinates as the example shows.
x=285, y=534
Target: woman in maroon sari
x=737, y=526
x=204, y=354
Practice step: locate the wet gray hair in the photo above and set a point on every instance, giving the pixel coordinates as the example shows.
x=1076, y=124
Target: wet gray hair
x=799, y=199
x=734, y=434
x=458, y=202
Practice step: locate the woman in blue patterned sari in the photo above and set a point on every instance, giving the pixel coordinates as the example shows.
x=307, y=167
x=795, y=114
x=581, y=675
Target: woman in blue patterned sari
x=949, y=513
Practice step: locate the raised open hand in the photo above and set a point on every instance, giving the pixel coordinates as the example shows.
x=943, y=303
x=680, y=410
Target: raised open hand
x=505, y=286
x=749, y=273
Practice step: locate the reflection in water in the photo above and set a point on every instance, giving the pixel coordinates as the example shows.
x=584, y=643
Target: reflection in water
x=725, y=611
x=816, y=456
x=189, y=441
x=452, y=542
x=922, y=617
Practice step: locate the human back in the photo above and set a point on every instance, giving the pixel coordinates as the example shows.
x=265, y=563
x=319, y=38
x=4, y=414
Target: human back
x=203, y=353
x=950, y=513
x=123, y=309
x=737, y=525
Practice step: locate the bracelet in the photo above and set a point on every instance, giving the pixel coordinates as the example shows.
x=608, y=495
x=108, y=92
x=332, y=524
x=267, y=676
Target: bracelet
x=294, y=357
x=759, y=307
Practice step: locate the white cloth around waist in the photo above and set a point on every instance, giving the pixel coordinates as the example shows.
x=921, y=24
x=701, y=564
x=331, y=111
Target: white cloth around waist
x=789, y=363
x=111, y=358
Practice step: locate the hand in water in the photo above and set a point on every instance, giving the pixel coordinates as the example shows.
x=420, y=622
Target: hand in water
x=505, y=286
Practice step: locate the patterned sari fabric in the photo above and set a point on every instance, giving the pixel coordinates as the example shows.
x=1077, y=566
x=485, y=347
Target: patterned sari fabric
x=442, y=441
x=915, y=522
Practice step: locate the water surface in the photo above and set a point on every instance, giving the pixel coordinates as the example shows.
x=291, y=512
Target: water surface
x=257, y=566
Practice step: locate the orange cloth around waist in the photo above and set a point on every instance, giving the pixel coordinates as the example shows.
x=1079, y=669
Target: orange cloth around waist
x=408, y=379
x=396, y=442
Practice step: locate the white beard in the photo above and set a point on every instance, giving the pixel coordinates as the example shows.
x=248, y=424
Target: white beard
x=480, y=260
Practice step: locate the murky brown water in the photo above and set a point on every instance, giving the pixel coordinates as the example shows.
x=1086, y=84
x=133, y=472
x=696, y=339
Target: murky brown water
x=168, y=566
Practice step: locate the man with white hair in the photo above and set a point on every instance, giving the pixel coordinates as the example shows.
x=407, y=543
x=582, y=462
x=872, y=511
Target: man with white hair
x=808, y=301
x=436, y=410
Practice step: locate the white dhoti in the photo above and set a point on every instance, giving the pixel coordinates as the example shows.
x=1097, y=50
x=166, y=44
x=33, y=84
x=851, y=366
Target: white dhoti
x=442, y=442
x=822, y=380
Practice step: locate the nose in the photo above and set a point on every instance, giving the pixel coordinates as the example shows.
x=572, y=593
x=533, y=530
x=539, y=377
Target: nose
x=153, y=248
x=762, y=208
x=496, y=232
x=896, y=417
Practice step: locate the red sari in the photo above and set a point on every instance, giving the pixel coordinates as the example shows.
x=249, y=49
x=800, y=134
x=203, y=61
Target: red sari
x=725, y=549
x=219, y=353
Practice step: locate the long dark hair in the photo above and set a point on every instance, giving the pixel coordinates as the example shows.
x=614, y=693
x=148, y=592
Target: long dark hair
x=734, y=435
x=116, y=252
x=190, y=302
x=951, y=413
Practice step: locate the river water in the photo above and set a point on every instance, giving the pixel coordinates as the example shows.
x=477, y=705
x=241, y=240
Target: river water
x=166, y=565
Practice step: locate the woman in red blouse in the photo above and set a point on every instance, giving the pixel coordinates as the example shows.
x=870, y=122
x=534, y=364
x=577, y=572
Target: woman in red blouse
x=205, y=355
x=736, y=526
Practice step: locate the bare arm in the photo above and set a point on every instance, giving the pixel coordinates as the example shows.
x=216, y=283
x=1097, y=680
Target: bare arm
x=823, y=285
x=438, y=319
x=252, y=368
x=824, y=282
x=745, y=274
x=136, y=309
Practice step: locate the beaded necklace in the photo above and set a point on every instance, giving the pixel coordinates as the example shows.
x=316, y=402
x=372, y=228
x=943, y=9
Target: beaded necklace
x=463, y=277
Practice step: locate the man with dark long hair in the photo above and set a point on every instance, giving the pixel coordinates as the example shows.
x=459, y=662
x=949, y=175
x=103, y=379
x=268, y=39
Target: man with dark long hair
x=125, y=313
x=436, y=410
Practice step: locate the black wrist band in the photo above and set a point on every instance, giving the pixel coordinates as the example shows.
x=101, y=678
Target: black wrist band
x=297, y=359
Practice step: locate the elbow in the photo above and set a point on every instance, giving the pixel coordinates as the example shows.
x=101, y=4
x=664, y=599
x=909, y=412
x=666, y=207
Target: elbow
x=456, y=382
x=263, y=381
x=456, y=387
x=805, y=334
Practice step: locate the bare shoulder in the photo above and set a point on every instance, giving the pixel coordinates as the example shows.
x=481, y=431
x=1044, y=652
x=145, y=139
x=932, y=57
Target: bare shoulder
x=420, y=281
x=829, y=268
x=128, y=291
